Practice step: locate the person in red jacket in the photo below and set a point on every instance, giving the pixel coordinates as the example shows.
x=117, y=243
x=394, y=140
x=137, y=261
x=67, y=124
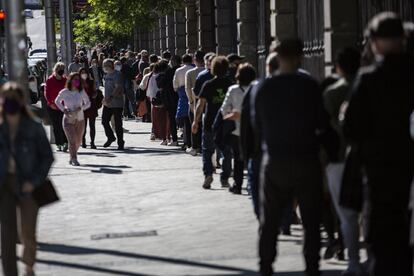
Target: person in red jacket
x=54, y=84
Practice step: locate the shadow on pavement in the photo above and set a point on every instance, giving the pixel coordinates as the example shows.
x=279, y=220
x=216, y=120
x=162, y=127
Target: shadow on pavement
x=150, y=151
x=98, y=154
x=324, y=273
x=76, y=250
x=106, y=166
x=139, y=132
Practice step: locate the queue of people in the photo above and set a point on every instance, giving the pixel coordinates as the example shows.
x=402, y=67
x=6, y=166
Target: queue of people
x=296, y=137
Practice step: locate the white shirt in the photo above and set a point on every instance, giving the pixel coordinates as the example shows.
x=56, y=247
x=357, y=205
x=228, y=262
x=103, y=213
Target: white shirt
x=179, y=76
x=72, y=100
x=144, y=83
x=152, y=86
x=190, y=79
x=233, y=103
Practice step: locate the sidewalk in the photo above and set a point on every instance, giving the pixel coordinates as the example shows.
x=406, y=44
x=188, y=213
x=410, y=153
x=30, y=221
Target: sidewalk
x=152, y=195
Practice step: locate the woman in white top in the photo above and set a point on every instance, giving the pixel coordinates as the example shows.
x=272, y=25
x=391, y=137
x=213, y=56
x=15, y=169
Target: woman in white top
x=73, y=101
x=231, y=110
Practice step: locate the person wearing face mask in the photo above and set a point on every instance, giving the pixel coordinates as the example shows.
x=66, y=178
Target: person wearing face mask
x=91, y=113
x=75, y=66
x=54, y=84
x=25, y=161
x=95, y=70
x=73, y=101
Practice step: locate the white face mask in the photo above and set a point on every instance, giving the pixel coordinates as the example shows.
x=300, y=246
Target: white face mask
x=118, y=67
x=33, y=86
x=84, y=76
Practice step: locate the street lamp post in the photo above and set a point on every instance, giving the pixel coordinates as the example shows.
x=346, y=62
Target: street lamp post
x=16, y=43
x=50, y=36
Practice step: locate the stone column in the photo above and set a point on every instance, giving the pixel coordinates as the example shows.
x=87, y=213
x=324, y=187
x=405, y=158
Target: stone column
x=341, y=28
x=157, y=47
x=247, y=29
x=163, y=33
x=283, y=19
x=150, y=41
x=226, y=26
x=180, y=37
x=206, y=26
x=191, y=26
x=170, y=33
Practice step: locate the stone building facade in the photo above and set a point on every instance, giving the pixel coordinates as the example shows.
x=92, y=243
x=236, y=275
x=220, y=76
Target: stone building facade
x=248, y=27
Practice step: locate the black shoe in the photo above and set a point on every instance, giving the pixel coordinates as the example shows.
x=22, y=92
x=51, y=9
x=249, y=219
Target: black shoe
x=207, y=182
x=331, y=250
x=225, y=184
x=121, y=146
x=65, y=147
x=109, y=143
x=93, y=146
x=286, y=232
x=235, y=190
x=84, y=145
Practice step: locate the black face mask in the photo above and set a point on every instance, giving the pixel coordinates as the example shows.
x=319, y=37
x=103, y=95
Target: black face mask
x=60, y=72
x=11, y=106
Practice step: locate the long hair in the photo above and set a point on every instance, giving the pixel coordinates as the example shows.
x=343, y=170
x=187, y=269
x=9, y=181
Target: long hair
x=14, y=90
x=70, y=79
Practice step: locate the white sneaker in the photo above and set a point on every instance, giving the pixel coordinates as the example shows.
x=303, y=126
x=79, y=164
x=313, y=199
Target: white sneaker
x=188, y=150
x=193, y=152
x=173, y=144
x=164, y=143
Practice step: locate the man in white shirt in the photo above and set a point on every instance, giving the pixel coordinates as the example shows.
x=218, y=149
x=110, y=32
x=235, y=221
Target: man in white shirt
x=190, y=79
x=182, y=109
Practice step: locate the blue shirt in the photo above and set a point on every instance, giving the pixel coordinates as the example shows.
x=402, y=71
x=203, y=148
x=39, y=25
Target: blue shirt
x=201, y=79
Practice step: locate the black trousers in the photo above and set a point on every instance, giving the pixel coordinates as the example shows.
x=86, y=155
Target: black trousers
x=195, y=138
x=56, y=116
x=281, y=180
x=92, y=130
x=389, y=219
x=185, y=122
x=172, y=112
x=107, y=114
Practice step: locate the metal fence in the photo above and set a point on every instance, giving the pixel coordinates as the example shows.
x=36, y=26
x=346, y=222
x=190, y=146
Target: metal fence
x=311, y=30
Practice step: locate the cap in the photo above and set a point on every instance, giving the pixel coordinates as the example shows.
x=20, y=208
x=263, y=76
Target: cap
x=233, y=57
x=386, y=25
x=290, y=47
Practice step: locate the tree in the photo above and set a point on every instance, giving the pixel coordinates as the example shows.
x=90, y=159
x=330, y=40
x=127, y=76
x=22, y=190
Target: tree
x=116, y=19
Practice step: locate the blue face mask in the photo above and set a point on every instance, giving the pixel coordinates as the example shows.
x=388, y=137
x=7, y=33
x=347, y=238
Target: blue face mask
x=11, y=106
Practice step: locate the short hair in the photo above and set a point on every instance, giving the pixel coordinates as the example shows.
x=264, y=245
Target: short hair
x=385, y=25
x=166, y=55
x=187, y=58
x=176, y=60
x=219, y=66
x=272, y=61
x=349, y=60
x=58, y=65
x=153, y=58
x=108, y=62
x=290, y=47
x=70, y=79
x=208, y=56
x=123, y=59
x=245, y=74
x=199, y=56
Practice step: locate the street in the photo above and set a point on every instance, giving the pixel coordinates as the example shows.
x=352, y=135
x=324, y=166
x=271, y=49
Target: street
x=151, y=194
x=36, y=29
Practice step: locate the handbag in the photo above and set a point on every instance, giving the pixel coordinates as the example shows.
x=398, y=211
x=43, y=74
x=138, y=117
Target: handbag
x=99, y=98
x=157, y=100
x=45, y=194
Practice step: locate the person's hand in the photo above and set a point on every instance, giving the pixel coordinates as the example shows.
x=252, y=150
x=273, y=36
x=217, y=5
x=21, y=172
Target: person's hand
x=66, y=111
x=79, y=108
x=235, y=116
x=194, y=127
x=28, y=188
x=54, y=107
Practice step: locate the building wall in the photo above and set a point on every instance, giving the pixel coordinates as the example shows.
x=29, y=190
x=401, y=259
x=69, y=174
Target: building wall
x=248, y=27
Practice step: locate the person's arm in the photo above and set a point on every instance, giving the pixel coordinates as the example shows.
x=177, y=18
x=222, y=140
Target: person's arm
x=45, y=158
x=86, y=103
x=197, y=116
x=58, y=101
x=176, y=83
x=119, y=87
x=188, y=89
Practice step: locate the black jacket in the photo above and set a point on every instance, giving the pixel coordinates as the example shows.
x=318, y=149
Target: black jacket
x=32, y=152
x=378, y=115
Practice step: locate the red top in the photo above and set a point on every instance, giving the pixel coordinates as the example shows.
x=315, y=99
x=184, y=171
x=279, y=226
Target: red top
x=52, y=89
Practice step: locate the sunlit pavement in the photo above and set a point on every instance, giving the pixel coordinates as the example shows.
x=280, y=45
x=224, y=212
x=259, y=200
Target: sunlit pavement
x=143, y=212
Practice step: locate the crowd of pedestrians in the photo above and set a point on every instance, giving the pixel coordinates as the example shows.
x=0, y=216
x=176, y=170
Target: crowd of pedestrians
x=296, y=136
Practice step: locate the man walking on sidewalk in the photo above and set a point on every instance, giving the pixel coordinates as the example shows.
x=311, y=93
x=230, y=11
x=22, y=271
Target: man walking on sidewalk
x=289, y=115
x=113, y=105
x=377, y=120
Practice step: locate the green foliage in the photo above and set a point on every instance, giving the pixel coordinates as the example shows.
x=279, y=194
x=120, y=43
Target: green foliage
x=116, y=19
